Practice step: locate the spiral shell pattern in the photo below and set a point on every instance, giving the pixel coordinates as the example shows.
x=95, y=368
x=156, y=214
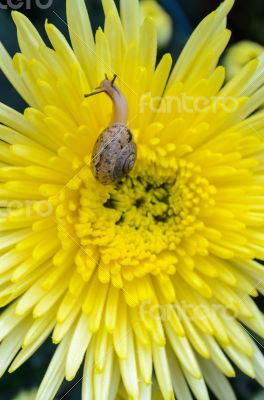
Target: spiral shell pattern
x=114, y=154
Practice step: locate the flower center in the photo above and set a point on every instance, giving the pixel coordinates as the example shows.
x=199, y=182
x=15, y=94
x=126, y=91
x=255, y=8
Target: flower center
x=142, y=224
x=142, y=201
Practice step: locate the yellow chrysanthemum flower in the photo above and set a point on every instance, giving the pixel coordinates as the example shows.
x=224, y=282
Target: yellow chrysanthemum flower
x=152, y=276
x=161, y=19
x=239, y=55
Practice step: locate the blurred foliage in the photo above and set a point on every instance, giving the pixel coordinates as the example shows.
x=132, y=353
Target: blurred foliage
x=246, y=22
x=238, y=55
x=29, y=394
x=259, y=396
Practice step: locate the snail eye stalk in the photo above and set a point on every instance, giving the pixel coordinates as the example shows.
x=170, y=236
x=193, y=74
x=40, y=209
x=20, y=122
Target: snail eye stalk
x=101, y=90
x=113, y=80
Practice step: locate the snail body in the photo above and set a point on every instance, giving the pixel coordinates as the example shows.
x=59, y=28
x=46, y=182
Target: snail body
x=114, y=153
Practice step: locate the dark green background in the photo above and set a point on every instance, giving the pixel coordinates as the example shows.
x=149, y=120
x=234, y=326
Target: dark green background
x=246, y=22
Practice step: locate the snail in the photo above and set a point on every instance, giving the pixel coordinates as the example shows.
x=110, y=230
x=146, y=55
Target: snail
x=114, y=153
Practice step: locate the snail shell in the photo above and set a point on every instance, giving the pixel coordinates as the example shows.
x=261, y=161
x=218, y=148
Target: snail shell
x=114, y=154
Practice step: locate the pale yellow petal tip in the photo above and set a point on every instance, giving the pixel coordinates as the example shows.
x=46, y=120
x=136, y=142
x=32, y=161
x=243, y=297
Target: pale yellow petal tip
x=149, y=19
x=16, y=277
x=224, y=341
x=228, y=33
x=69, y=375
x=168, y=56
x=152, y=13
x=254, y=293
x=161, y=342
x=251, y=374
x=48, y=26
x=230, y=373
x=19, y=311
x=15, y=14
x=98, y=370
x=249, y=351
x=11, y=370
x=18, y=17
x=227, y=5
x=147, y=382
x=45, y=286
x=133, y=395
x=93, y=329
x=15, y=365
x=110, y=329
x=27, y=342
x=60, y=317
x=122, y=355
x=205, y=354
x=55, y=339
x=196, y=375
x=37, y=313
x=231, y=3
